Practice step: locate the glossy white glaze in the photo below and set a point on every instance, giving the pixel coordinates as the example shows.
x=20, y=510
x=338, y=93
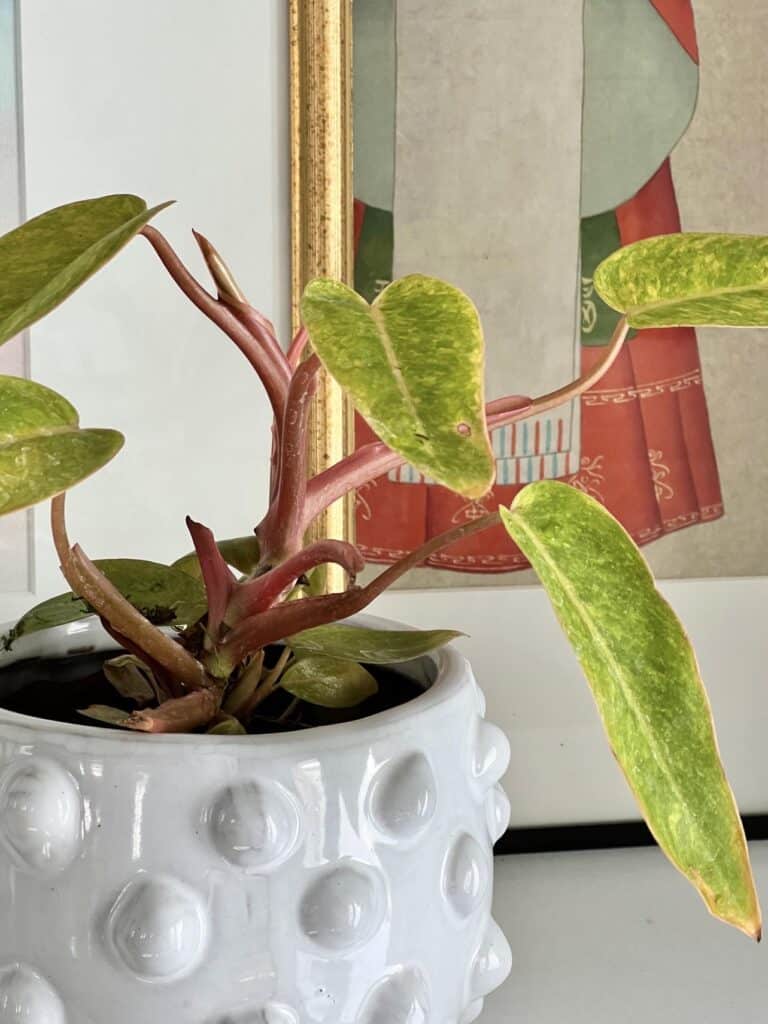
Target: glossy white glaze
x=340, y=875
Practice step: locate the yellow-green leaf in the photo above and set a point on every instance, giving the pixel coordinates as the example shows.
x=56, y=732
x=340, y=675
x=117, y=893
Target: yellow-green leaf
x=165, y=595
x=43, y=450
x=689, y=280
x=242, y=553
x=46, y=259
x=643, y=674
x=372, y=646
x=413, y=364
x=329, y=682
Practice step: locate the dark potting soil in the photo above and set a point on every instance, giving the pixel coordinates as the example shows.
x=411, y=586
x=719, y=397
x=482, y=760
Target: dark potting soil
x=56, y=688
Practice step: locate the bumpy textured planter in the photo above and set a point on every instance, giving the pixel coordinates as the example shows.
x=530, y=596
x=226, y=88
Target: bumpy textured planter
x=340, y=875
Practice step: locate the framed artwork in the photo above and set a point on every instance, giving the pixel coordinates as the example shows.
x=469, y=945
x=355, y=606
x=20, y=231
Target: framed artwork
x=674, y=440
x=536, y=139
x=15, y=532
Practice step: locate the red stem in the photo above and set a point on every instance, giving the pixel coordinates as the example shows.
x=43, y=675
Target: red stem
x=280, y=534
x=375, y=459
x=274, y=373
x=257, y=595
x=284, y=620
x=217, y=576
x=297, y=346
x=106, y=600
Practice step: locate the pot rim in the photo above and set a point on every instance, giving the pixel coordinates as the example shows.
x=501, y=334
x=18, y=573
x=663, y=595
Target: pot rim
x=452, y=672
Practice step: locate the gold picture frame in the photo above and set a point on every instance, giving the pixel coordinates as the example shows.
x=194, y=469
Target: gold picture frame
x=322, y=209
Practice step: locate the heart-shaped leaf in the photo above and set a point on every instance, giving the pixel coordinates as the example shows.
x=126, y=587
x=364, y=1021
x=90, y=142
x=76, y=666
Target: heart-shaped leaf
x=163, y=594
x=644, y=677
x=413, y=364
x=43, y=450
x=689, y=280
x=46, y=259
x=242, y=553
x=372, y=646
x=329, y=682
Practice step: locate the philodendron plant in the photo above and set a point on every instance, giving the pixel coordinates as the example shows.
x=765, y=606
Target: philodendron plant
x=235, y=638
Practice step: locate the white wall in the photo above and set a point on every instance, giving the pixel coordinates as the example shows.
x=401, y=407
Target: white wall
x=180, y=100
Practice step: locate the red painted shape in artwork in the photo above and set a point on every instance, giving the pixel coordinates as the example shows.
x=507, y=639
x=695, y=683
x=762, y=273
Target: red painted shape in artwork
x=678, y=14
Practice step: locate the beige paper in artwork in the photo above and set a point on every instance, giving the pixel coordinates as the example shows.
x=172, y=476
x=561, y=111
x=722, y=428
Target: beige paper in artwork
x=498, y=213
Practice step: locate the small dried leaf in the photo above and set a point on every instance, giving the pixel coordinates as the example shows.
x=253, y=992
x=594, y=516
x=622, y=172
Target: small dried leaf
x=104, y=713
x=132, y=679
x=227, y=727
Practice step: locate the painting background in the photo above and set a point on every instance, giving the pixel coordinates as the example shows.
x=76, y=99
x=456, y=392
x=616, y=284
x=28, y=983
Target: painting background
x=15, y=544
x=714, y=192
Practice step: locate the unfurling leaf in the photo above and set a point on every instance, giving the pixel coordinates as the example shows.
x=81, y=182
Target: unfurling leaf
x=43, y=450
x=413, y=364
x=242, y=553
x=329, y=682
x=104, y=713
x=133, y=680
x=46, y=259
x=163, y=594
x=372, y=646
x=689, y=280
x=644, y=677
x=227, y=726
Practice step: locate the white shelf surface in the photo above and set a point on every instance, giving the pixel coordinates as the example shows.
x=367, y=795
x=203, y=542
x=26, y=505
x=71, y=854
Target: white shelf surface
x=601, y=937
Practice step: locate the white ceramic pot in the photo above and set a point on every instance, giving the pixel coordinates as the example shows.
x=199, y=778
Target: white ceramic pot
x=340, y=875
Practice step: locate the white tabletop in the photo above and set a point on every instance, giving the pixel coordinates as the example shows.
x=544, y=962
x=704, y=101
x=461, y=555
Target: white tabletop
x=618, y=937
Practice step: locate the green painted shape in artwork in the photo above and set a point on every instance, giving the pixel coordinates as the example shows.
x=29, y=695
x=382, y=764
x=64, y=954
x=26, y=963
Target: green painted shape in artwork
x=242, y=553
x=689, y=280
x=375, y=249
x=371, y=646
x=413, y=363
x=328, y=682
x=166, y=596
x=43, y=450
x=46, y=259
x=599, y=238
x=643, y=674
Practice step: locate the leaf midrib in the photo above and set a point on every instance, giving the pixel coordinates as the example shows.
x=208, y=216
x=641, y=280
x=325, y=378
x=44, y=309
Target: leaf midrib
x=699, y=297
x=47, y=432
x=397, y=373
x=613, y=663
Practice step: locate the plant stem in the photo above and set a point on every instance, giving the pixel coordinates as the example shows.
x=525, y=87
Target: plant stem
x=182, y=714
x=281, y=532
x=374, y=459
x=96, y=590
x=260, y=353
x=286, y=619
x=217, y=576
x=269, y=683
x=576, y=387
x=261, y=593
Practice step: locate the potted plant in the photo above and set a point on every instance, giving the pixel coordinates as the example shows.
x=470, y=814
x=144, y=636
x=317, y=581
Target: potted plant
x=286, y=813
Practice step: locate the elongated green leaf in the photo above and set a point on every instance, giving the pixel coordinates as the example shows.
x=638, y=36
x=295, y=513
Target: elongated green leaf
x=46, y=259
x=373, y=646
x=43, y=450
x=162, y=593
x=413, y=365
x=689, y=280
x=242, y=553
x=645, y=680
x=329, y=682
